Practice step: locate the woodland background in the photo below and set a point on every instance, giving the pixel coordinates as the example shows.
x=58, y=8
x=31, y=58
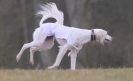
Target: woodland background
x=18, y=21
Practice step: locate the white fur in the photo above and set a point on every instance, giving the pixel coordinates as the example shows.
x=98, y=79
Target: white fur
x=69, y=38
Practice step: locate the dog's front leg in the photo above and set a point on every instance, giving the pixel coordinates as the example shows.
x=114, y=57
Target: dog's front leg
x=73, y=60
x=73, y=55
x=62, y=51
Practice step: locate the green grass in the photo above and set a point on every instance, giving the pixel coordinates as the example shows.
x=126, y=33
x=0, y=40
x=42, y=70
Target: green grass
x=67, y=75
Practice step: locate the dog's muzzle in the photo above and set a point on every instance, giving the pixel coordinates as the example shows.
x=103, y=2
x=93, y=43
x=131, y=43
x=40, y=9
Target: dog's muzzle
x=108, y=39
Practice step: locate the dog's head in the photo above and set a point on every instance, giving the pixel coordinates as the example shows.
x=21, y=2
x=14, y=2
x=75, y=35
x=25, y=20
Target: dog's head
x=102, y=36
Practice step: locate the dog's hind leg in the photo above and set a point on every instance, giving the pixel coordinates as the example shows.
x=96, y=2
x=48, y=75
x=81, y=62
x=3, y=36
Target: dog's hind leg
x=37, y=42
x=62, y=51
x=25, y=46
x=32, y=51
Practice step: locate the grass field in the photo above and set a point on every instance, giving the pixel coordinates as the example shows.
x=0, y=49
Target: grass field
x=67, y=75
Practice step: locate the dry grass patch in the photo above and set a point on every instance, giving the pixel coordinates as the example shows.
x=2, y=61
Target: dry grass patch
x=67, y=75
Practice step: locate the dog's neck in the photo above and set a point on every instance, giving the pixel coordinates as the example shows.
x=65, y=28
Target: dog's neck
x=93, y=36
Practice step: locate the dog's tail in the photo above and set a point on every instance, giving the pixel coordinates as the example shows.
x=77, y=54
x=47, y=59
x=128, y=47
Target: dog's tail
x=50, y=10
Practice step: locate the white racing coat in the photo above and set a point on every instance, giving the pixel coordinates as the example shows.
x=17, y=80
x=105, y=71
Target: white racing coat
x=70, y=34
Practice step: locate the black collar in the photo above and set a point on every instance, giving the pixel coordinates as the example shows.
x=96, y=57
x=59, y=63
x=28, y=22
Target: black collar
x=93, y=36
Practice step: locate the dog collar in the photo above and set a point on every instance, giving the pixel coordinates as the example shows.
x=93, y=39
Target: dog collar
x=93, y=36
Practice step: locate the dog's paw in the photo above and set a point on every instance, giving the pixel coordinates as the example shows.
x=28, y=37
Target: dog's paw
x=18, y=58
x=52, y=67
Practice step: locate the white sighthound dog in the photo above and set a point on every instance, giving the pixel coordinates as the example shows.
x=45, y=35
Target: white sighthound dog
x=69, y=38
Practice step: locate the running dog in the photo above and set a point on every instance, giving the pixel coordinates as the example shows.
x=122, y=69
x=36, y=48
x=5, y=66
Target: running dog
x=69, y=38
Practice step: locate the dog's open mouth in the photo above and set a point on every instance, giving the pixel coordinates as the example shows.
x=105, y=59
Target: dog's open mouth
x=107, y=40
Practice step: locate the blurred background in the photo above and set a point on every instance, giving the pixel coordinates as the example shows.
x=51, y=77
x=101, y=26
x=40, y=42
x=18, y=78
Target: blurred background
x=18, y=21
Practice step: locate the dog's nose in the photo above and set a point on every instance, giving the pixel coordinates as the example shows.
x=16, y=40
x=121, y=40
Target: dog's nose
x=111, y=38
